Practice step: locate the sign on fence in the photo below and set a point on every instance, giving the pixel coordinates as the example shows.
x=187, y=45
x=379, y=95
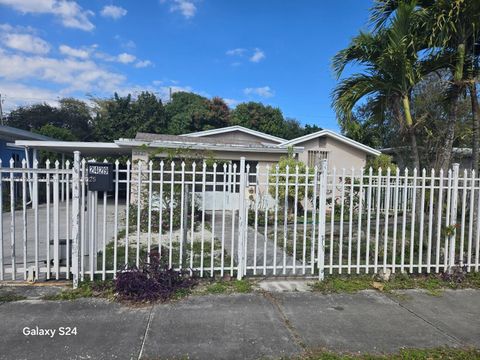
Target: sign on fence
x=100, y=177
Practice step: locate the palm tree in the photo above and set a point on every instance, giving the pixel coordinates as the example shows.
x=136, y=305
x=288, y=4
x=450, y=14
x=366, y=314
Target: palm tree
x=453, y=26
x=391, y=68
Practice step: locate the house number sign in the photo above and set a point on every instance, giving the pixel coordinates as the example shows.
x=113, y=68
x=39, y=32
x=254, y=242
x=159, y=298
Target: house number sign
x=100, y=176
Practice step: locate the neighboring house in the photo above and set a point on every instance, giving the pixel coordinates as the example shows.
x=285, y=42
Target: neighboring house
x=461, y=156
x=8, y=148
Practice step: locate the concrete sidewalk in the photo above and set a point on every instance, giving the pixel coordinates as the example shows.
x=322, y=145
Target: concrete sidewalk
x=242, y=326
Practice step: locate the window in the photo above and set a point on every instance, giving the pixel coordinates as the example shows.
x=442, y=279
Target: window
x=316, y=156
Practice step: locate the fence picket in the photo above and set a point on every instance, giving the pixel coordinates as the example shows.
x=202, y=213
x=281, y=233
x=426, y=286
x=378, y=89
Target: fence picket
x=387, y=208
x=404, y=220
x=265, y=236
x=447, y=220
x=350, y=221
x=462, y=224
x=332, y=219
x=439, y=221
x=275, y=221
x=395, y=219
x=377, y=221
x=24, y=218
x=422, y=215
x=224, y=206
x=342, y=206
x=285, y=220
x=255, y=226
x=470, y=222
x=359, y=219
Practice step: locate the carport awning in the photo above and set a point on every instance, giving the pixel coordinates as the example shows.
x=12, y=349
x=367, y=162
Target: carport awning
x=68, y=147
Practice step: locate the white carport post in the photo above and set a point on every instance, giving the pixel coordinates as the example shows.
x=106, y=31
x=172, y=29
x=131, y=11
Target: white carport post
x=75, y=218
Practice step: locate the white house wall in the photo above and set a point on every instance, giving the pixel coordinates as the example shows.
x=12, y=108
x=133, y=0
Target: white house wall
x=340, y=155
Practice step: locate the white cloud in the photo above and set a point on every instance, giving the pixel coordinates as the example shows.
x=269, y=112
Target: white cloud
x=236, y=52
x=257, y=56
x=15, y=94
x=26, y=42
x=78, y=53
x=143, y=63
x=114, y=12
x=75, y=74
x=125, y=43
x=185, y=7
x=69, y=12
x=126, y=58
x=264, y=91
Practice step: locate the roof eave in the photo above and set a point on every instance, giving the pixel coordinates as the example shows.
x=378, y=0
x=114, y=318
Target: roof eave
x=204, y=146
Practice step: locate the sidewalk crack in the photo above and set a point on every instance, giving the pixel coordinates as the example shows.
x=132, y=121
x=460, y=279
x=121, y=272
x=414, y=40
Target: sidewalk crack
x=290, y=328
x=454, y=338
x=150, y=316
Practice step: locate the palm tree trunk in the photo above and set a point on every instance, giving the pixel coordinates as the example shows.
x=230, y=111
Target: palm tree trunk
x=445, y=156
x=445, y=153
x=475, y=126
x=411, y=132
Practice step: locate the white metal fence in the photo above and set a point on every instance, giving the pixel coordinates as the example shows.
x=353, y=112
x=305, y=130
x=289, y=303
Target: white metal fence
x=283, y=221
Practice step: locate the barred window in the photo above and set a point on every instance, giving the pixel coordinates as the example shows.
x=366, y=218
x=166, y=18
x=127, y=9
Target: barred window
x=316, y=156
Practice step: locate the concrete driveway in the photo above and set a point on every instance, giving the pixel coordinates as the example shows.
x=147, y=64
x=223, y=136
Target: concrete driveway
x=64, y=229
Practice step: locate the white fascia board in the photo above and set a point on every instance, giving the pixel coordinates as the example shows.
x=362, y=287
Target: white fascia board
x=67, y=144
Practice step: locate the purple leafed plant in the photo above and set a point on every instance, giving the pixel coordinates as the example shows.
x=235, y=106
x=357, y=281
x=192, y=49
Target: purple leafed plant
x=153, y=280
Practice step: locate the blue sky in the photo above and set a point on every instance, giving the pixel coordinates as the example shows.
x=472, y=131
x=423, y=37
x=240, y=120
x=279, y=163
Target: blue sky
x=276, y=52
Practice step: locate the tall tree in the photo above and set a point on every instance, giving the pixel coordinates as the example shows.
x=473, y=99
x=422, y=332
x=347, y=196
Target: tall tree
x=450, y=28
x=72, y=116
x=189, y=112
x=391, y=68
x=256, y=116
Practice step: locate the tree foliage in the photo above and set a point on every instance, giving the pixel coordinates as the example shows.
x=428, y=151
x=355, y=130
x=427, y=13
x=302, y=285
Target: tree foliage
x=410, y=43
x=123, y=116
x=72, y=116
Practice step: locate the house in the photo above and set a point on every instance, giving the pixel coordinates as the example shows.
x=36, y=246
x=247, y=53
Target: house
x=460, y=155
x=231, y=143
x=225, y=145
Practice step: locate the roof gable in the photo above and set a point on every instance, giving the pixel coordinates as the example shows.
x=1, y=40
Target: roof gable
x=334, y=135
x=234, y=128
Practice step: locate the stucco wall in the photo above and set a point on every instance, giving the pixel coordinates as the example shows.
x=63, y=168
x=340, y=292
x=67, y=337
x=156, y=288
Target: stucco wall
x=236, y=136
x=341, y=155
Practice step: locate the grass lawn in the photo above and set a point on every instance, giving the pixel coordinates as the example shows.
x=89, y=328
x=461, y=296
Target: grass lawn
x=410, y=354
x=433, y=283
